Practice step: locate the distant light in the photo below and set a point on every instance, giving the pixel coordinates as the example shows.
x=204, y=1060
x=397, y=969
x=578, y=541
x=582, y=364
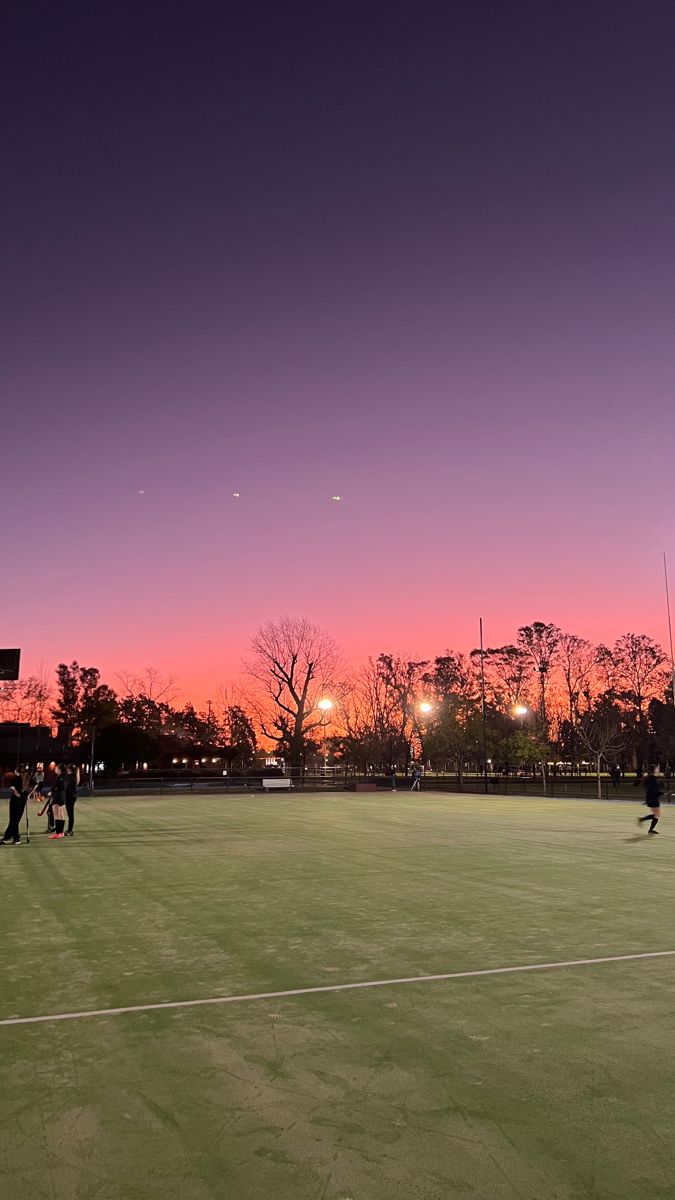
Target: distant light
x=426, y=707
x=236, y=495
x=521, y=710
x=325, y=705
x=336, y=497
x=145, y=766
x=174, y=761
x=140, y=491
x=214, y=760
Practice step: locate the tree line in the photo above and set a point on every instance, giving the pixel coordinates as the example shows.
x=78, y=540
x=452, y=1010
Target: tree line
x=548, y=696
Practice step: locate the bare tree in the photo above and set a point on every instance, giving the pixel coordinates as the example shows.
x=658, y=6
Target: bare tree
x=600, y=732
x=370, y=718
x=641, y=675
x=508, y=670
x=26, y=700
x=576, y=666
x=151, y=685
x=607, y=670
x=540, y=642
x=294, y=663
x=378, y=713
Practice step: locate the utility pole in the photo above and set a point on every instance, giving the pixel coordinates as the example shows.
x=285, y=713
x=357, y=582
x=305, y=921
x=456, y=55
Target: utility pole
x=482, y=706
x=670, y=627
x=91, y=757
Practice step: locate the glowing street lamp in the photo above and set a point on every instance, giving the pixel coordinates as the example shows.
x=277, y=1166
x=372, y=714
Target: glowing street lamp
x=521, y=710
x=424, y=708
x=325, y=705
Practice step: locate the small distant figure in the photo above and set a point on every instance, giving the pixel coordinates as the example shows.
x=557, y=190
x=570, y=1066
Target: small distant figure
x=37, y=784
x=47, y=808
x=615, y=776
x=653, y=793
x=393, y=779
x=416, y=779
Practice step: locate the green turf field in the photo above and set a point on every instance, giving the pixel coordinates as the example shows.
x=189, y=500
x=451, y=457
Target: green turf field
x=549, y=1085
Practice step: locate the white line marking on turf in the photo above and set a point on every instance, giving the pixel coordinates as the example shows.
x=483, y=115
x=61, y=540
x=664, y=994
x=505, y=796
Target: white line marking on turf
x=331, y=987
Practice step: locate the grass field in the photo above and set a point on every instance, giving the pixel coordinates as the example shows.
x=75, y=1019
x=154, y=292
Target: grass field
x=546, y=1085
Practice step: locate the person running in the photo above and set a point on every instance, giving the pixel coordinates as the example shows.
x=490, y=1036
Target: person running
x=653, y=793
x=72, y=780
x=416, y=779
x=58, y=802
x=18, y=795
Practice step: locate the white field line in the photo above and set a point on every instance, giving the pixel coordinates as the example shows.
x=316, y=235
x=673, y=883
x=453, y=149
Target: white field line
x=331, y=987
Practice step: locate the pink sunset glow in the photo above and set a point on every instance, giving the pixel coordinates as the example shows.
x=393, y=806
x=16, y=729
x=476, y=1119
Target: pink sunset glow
x=436, y=284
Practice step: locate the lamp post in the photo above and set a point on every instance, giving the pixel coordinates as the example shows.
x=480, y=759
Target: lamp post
x=483, y=707
x=426, y=708
x=92, y=746
x=521, y=710
x=543, y=672
x=325, y=707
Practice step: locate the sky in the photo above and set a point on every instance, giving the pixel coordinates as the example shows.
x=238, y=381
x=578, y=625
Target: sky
x=417, y=255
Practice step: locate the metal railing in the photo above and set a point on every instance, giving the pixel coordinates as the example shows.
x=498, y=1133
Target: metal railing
x=556, y=786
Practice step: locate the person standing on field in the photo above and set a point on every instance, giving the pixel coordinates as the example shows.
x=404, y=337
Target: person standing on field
x=59, y=804
x=653, y=793
x=38, y=783
x=18, y=795
x=72, y=780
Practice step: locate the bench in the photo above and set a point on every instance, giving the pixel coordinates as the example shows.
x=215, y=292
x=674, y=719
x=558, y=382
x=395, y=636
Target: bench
x=276, y=784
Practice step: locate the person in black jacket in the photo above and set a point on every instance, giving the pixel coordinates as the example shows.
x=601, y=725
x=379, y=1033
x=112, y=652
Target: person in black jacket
x=71, y=797
x=18, y=795
x=653, y=793
x=59, y=803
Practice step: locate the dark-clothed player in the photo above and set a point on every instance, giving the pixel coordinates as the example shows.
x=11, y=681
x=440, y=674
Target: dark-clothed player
x=653, y=793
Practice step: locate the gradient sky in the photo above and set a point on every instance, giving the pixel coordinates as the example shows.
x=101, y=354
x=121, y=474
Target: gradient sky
x=420, y=255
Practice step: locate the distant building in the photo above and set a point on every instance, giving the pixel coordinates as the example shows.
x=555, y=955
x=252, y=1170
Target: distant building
x=25, y=743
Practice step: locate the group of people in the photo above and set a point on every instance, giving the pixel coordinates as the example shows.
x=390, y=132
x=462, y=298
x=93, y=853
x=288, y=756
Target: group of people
x=59, y=802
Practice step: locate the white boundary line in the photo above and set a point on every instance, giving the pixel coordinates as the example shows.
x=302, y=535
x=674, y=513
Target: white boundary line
x=331, y=987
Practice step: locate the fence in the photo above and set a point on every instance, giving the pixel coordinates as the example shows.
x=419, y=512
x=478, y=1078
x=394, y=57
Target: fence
x=497, y=785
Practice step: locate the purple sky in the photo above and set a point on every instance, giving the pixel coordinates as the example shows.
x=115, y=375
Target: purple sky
x=418, y=255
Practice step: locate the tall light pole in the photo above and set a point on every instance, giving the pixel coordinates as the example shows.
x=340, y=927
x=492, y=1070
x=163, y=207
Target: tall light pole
x=482, y=705
x=426, y=708
x=91, y=756
x=325, y=706
x=670, y=628
x=543, y=672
